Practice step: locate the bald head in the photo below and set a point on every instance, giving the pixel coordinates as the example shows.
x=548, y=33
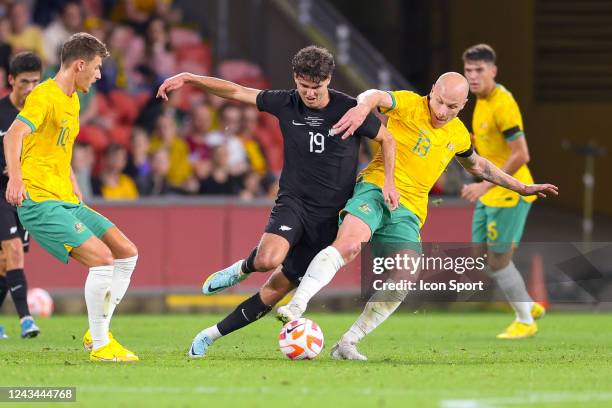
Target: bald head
x=448, y=96
x=453, y=85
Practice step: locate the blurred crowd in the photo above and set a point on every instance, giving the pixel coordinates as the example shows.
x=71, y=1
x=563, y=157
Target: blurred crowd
x=131, y=144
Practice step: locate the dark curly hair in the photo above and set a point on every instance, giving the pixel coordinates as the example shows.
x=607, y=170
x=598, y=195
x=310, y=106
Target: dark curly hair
x=480, y=52
x=24, y=62
x=313, y=63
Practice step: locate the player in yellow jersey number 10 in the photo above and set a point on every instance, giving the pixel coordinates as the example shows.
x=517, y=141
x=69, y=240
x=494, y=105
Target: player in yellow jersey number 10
x=38, y=149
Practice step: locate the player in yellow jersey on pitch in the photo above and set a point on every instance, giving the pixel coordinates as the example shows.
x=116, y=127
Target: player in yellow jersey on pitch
x=428, y=135
x=38, y=149
x=500, y=214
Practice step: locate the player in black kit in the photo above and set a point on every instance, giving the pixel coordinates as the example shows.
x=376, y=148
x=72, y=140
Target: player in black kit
x=24, y=75
x=317, y=179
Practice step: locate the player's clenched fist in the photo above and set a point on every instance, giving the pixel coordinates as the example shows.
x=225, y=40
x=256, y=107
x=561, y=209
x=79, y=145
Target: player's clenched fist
x=15, y=191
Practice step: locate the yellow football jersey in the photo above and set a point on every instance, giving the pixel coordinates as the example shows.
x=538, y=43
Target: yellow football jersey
x=53, y=117
x=497, y=119
x=422, y=152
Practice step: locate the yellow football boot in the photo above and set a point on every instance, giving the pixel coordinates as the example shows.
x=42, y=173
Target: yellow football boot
x=518, y=330
x=88, y=342
x=113, y=352
x=537, y=311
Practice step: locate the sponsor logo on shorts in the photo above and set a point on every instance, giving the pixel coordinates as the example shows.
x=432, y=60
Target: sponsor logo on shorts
x=285, y=228
x=79, y=227
x=364, y=208
x=13, y=230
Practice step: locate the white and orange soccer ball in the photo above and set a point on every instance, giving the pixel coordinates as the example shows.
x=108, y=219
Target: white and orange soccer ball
x=40, y=302
x=301, y=339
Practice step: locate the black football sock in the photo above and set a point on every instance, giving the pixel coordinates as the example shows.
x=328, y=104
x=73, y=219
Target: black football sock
x=3, y=289
x=18, y=286
x=246, y=313
x=248, y=266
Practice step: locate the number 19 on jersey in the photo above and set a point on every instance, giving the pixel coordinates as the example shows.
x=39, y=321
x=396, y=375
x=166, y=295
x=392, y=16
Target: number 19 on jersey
x=317, y=142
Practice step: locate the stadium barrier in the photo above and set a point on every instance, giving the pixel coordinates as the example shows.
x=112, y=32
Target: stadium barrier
x=181, y=241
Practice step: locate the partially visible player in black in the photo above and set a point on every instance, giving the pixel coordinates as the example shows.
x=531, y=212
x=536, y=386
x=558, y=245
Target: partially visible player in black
x=24, y=74
x=317, y=179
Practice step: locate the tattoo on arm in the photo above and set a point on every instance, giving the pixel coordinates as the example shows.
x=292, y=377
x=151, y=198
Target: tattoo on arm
x=488, y=175
x=497, y=176
x=481, y=167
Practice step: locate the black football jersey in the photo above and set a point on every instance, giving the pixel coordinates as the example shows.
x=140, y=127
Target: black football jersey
x=319, y=167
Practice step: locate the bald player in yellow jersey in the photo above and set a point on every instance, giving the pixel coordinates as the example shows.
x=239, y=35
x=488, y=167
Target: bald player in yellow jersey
x=38, y=150
x=428, y=135
x=500, y=214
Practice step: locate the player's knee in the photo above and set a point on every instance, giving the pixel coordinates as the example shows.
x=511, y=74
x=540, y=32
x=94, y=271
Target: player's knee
x=123, y=248
x=15, y=247
x=349, y=249
x=271, y=295
x=130, y=249
x=498, y=261
x=13, y=250
x=11, y=246
x=265, y=261
x=105, y=256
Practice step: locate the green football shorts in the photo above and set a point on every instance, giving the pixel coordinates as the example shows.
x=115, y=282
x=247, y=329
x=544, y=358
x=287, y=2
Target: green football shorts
x=59, y=226
x=500, y=227
x=401, y=226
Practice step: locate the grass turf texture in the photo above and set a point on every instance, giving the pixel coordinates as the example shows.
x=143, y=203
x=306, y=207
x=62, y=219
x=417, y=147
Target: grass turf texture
x=426, y=360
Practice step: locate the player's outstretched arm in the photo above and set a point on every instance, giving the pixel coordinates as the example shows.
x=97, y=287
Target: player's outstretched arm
x=387, y=145
x=220, y=87
x=483, y=168
x=519, y=155
x=13, y=142
x=354, y=117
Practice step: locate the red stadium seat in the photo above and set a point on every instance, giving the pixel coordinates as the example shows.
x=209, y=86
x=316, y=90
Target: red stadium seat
x=95, y=136
x=194, y=56
x=121, y=134
x=124, y=105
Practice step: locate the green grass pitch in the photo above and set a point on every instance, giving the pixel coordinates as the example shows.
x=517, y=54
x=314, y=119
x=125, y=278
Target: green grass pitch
x=447, y=360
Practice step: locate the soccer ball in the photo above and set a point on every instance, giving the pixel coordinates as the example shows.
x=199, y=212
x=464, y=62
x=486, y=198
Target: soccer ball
x=301, y=339
x=40, y=302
